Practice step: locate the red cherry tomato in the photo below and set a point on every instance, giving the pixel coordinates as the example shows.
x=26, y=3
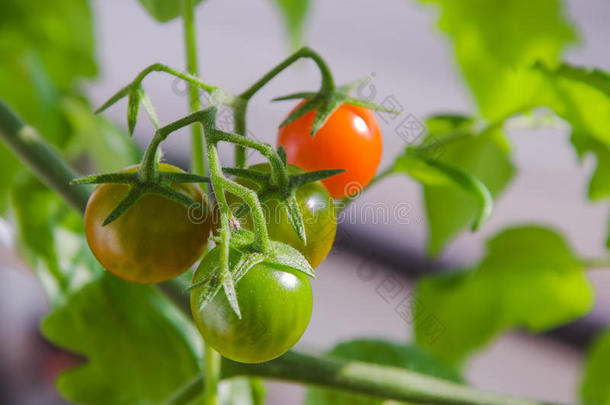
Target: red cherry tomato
x=350, y=139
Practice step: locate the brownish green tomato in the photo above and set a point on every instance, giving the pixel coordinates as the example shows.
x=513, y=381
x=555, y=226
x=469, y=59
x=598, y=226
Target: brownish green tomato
x=318, y=211
x=156, y=240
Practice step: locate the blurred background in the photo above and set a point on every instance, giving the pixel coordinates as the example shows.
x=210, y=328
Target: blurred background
x=397, y=46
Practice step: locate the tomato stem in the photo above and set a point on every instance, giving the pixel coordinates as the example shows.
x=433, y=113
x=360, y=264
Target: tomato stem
x=198, y=158
x=356, y=377
x=328, y=83
x=212, y=376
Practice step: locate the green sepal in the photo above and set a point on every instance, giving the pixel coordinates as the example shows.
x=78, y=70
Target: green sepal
x=229, y=288
x=281, y=152
x=369, y=105
x=309, y=105
x=174, y=195
x=298, y=180
x=173, y=177
x=119, y=178
x=282, y=254
x=295, y=217
x=112, y=100
x=133, y=195
x=133, y=107
x=325, y=103
x=296, y=96
x=148, y=107
x=411, y=160
x=249, y=174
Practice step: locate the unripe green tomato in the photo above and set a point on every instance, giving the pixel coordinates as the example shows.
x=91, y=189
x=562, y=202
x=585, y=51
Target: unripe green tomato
x=275, y=304
x=155, y=240
x=317, y=208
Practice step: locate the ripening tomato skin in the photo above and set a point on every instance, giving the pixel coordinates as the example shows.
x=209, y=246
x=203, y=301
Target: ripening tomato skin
x=317, y=208
x=350, y=139
x=155, y=240
x=275, y=305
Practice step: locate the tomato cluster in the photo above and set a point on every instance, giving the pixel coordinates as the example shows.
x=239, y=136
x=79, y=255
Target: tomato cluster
x=156, y=239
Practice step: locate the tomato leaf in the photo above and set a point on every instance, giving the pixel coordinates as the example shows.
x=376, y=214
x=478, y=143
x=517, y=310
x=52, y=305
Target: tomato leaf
x=528, y=278
x=295, y=13
x=495, y=46
x=120, y=327
x=581, y=96
x=599, y=185
x=595, y=388
x=415, y=164
x=164, y=10
x=382, y=352
x=479, y=166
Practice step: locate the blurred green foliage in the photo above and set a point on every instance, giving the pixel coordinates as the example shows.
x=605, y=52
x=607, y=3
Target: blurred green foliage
x=529, y=278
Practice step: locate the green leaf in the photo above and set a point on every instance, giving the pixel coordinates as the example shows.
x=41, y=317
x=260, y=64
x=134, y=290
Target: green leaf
x=294, y=13
x=382, y=352
x=528, y=278
x=481, y=155
x=595, y=388
x=599, y=185
x=496, y=43
x=139, y=346
x=581, y=96
x=59, y=33
x=38, y=212
x=435, y=172
x=164, y=10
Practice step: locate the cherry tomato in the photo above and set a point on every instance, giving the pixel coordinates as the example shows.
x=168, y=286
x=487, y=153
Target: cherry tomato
x=317, y=208
x=350, y=139
x=275, y=305
x=155, y=240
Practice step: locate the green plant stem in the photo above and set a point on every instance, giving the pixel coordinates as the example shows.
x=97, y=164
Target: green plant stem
x=26, y=143
x=240, y=107
x=368, y=379
x=356, y=377
x=198, y=163
x=156, y=67
x=327, y=84
x=149, y=161
x=240, y=103
x=212, y=375
x=279, y=175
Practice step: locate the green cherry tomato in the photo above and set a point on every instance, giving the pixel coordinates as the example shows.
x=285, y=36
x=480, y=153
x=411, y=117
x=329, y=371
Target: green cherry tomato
x=155, y=240
x=275, y=305
x=318, y=211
